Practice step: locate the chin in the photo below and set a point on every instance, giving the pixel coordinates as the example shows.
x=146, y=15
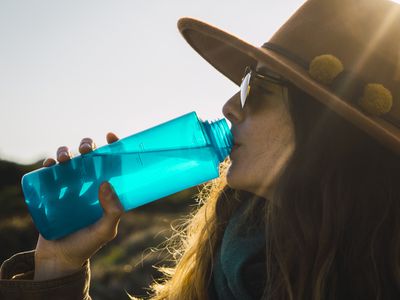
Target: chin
x=232, y=178
x=235, y=180
x=231, y=182
x=240, y=180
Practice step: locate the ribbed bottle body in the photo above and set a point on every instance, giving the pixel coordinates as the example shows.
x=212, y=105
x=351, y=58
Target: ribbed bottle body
x=143, y=167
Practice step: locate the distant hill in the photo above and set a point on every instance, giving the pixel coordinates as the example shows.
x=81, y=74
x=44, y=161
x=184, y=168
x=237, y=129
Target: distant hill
x=11, y=173
x=16, y=228
x=11, y=197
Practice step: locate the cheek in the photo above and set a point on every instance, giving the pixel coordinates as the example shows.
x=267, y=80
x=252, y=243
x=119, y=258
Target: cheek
x=248, y=168
x=266, y=134
x=255, y=165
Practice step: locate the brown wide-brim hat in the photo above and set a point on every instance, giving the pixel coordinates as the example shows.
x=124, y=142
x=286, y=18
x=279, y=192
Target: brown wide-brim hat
x=344, y=53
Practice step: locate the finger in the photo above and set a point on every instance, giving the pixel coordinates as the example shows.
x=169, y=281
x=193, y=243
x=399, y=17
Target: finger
x=112, y=210
x=86, y=145
x=49, y=162
x=111, y=137
x=63, y=154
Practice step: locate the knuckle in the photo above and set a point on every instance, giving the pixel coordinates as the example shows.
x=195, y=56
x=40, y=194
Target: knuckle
x=106, y=233
x=114, y=213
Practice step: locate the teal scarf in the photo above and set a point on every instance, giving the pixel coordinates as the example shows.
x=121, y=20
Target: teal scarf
x=239, y=268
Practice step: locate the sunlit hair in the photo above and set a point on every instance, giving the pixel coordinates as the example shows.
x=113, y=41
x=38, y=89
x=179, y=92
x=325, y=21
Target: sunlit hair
x=194, y=243
x=332, y=229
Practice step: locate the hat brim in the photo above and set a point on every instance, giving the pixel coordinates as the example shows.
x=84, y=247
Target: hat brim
x=230, y=55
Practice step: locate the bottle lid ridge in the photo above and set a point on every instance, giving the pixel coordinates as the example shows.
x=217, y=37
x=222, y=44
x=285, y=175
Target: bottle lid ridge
x=220, y=136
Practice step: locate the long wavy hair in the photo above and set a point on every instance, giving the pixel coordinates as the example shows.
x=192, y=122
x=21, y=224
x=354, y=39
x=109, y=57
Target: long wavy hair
x=332, y=229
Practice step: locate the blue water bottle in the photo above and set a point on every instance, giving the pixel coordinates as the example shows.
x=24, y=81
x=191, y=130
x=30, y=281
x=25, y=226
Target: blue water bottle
x=143, y=167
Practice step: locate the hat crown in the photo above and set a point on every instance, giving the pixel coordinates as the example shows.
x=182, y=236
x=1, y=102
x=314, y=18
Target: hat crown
x=363, y=34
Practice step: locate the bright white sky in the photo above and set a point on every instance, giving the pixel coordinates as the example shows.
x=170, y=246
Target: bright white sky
x=71, y=69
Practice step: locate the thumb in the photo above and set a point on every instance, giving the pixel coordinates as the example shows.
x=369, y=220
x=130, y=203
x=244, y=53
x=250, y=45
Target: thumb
x=112, y=208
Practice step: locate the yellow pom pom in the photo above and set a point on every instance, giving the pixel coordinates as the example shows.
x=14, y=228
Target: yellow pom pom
x=377, y=99
x=325, y=68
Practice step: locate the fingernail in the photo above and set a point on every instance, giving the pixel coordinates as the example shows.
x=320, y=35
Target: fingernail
x=64, y=153
x=86, y=146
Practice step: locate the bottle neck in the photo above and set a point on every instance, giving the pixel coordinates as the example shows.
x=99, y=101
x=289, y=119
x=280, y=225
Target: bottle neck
x=220, y=137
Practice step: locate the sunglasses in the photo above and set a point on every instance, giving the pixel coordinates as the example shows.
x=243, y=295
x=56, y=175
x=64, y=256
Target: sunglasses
x=248, y=79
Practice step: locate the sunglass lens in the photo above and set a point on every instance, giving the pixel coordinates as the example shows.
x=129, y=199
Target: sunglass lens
x=245, y=88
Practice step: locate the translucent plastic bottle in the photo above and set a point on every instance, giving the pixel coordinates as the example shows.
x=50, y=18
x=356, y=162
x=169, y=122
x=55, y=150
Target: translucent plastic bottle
x=143, y=167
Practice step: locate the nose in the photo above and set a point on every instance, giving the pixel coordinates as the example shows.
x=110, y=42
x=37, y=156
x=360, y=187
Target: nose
x=232, y=109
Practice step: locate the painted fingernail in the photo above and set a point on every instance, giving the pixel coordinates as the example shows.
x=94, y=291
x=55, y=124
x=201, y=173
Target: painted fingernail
x=64, y=153
x=86, y=146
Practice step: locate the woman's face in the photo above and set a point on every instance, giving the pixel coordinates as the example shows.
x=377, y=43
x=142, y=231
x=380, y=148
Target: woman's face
x=264, y=133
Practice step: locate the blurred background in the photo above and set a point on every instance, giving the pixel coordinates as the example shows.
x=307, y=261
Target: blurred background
x=75, y=69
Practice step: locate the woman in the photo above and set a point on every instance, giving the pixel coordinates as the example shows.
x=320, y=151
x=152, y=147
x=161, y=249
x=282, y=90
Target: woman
x=310, y=206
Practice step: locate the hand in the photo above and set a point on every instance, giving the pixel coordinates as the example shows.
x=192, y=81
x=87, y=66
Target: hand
x=67, y=255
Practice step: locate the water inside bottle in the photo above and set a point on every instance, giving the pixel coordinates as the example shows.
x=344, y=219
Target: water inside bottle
x=70, y=190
